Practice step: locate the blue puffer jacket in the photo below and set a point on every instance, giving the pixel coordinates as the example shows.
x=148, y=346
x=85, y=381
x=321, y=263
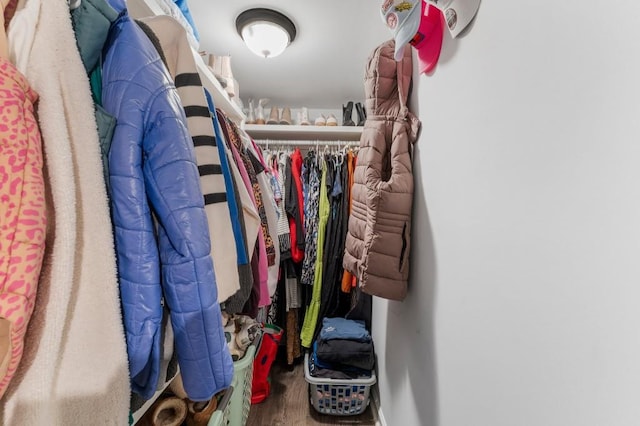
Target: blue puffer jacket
x=152, y=168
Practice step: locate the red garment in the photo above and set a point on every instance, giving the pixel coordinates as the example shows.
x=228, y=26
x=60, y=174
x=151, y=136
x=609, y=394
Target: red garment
x=297, y=247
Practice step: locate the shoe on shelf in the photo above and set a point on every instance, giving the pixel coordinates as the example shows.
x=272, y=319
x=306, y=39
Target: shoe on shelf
x=304, y=119
x=321, y=121
x=274, y=117
x=260, y=111
x=347, y=113
x=222, y=81
x=221, y=67
x=332, y=120
x=285, y=117
x=362, y=114
x=251, y=118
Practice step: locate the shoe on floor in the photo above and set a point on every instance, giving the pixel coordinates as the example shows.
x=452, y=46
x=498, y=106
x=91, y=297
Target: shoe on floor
x=170, y=411
x=199, y=413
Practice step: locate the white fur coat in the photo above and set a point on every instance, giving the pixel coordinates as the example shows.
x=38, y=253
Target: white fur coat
x=74, y=370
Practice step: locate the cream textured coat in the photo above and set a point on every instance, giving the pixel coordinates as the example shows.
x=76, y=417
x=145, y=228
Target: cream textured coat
x=378, y=241
x=74, y=369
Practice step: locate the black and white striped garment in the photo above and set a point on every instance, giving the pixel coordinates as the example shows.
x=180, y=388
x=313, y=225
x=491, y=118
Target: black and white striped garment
x=183, y=69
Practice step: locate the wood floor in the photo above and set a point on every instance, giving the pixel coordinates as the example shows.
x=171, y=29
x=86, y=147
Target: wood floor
x=288, y=404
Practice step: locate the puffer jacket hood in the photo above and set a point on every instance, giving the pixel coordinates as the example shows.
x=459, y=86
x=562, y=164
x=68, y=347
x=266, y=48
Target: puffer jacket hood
x=152, y=168
x=382, y=85
x=378, y=241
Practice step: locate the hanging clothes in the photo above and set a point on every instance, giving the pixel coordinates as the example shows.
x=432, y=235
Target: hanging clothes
x=311, y=316
x=244, y=157
x=295, y=206
x=74, y=368
x=264, y=181
x=333, y=302
x=91, y=22
x=251, y=228
x=259, y=295
x=182, y=67
x=348, y=279
x=311, y=208
x=280, y=166
x=378, y=243
x=242, y=214
x=23, y=222
x=151, y=126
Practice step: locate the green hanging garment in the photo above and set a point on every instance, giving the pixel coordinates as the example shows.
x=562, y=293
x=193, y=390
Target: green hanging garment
x=311, y=317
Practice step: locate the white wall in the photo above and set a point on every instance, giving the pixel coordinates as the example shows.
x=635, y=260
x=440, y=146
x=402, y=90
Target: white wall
x=524, y=302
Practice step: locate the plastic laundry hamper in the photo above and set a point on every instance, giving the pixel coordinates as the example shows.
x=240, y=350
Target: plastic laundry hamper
x=338, y=397
x=240, y=402
x=220, y=416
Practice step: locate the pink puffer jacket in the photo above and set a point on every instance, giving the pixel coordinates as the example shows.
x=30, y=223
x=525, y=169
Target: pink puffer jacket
x=22, y=215
x=378, y=242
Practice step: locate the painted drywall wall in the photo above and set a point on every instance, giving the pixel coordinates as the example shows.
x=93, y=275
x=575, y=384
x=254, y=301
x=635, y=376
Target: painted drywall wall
x=524, y=302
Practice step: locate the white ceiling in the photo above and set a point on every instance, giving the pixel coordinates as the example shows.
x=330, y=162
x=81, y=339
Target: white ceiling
x=322, y=68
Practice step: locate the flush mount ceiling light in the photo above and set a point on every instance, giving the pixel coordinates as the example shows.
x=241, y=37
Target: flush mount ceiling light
x=266, y=33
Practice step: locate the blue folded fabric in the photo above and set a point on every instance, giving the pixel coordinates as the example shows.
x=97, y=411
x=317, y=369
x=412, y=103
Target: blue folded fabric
x=342, y=328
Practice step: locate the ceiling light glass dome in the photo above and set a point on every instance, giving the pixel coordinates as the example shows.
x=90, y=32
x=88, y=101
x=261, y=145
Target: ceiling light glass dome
x=266, y=33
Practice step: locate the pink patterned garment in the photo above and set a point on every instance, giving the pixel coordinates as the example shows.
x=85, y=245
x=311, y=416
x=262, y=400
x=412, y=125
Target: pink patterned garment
x=22, y=215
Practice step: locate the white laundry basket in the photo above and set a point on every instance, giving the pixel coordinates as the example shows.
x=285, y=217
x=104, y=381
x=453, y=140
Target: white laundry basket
x=338, y=397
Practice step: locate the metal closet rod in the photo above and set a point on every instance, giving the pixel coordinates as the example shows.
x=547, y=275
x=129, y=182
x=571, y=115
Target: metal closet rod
x=307, y=142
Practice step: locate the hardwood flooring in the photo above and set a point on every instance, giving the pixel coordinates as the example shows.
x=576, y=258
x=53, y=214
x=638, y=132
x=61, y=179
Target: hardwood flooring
x=288, y=404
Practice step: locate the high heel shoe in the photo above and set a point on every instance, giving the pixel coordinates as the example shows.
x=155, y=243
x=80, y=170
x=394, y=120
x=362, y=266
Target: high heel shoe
x=347, y=113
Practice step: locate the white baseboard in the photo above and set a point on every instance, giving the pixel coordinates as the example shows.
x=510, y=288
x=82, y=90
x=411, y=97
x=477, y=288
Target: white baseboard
x=377, y=408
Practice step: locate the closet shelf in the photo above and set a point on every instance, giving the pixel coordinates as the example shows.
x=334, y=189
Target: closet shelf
x=293, y=132
x=145, y=8
x=219, y=95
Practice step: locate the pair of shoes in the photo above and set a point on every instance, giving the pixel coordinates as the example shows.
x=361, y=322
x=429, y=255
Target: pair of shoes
x=303, y=117
x=279, y=116
x=347, y=114
x=331, y=120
